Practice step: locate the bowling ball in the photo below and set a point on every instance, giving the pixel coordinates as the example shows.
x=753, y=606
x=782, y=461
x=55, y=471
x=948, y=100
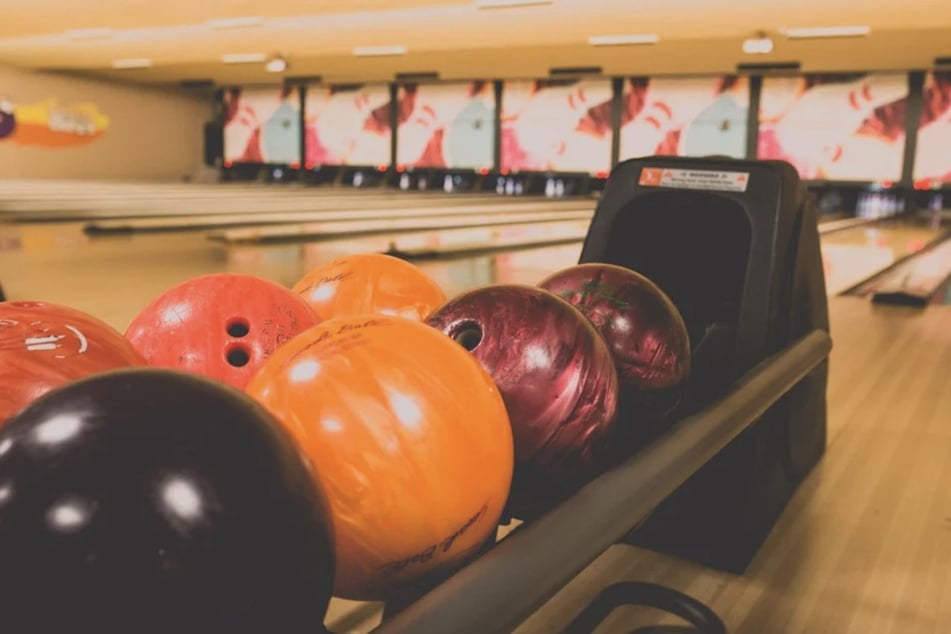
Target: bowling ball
x=370, y=283
x=555, y=374
x=223, y=326
x=642, y=327
x=410, y=440
x=150, y=500
x=44, y=346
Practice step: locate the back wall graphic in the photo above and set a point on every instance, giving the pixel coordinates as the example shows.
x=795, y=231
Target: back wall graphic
x=49, y=123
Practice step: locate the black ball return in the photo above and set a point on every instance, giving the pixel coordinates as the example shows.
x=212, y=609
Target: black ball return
x=736, y=246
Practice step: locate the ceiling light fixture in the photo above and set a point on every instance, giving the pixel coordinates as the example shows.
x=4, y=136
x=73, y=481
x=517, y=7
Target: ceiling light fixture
x=377, y=51
x=509, y=4
x=243, y=58
x=760, y=45
x=276, y=65
x=134, y=62
x=234, y=23
x=624, y=40
x=825, y=31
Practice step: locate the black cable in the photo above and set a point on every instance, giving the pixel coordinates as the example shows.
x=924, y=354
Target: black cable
x=702, y=619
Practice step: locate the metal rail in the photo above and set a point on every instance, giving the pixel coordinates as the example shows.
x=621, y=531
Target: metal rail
x=498, y=591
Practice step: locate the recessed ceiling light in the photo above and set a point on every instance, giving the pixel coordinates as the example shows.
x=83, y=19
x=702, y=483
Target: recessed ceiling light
x=234, y=23
x=507, y=4
x=623, y=40
x=826, y=31
x=758, y=46
x=89, y=34
x=243, y=58
x=276, y=65
x=134, y=62
x=375, y=51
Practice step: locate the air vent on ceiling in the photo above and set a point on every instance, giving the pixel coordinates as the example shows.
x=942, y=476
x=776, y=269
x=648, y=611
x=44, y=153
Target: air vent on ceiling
x=769, y=67
x=574, y=71
x=346, y=87
x=426, y=76
x=197, y=84
x=300, y=80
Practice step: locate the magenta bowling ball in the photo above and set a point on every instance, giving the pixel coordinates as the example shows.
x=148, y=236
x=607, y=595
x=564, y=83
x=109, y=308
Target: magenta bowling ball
x=639, y=322
x=554, y=372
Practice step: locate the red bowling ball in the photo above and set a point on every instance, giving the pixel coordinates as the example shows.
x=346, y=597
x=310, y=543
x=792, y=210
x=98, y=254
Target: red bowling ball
x=554, y=372
x=639, y=322
x=224, y=326
x=44, y=346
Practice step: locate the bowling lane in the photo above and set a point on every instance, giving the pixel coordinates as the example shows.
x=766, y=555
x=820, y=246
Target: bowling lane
x=98, y=201
x=412, y=208
x=115, y=278
x=852, y=255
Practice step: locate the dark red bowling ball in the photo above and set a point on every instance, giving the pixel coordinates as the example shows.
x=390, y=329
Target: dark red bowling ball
x=224, y=326
x=151, y=500
x=639, y=322
x=554, y=372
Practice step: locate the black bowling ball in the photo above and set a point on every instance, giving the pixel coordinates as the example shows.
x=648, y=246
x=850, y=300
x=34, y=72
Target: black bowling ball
x=148, y=501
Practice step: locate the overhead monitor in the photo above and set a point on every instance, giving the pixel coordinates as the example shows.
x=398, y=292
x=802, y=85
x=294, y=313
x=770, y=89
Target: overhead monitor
x=835, y=127
x=262, y=125
x=557, y=125
x=348, y=125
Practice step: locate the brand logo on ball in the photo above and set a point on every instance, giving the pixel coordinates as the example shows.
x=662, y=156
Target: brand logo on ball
x=443, y=546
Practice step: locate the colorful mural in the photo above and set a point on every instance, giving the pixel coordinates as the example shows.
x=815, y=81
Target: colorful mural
x=49, y=123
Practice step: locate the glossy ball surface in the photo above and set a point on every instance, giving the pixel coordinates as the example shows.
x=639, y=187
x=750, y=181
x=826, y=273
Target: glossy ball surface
x=641, y=325
x=370, y=284
x=555, y=373
x=148, y=500
x=223, y=326
x=44, y=346
x=409, y=437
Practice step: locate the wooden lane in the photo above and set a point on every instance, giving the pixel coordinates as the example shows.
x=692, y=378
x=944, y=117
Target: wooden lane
x=55, y=201
x=404, y=209
x=117, y=207
x=338, y=230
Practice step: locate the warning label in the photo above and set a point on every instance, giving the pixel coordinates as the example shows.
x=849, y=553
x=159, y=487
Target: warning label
x=694, y=179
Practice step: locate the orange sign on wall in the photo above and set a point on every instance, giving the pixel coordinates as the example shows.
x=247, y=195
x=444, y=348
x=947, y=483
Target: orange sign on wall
x=49, y=123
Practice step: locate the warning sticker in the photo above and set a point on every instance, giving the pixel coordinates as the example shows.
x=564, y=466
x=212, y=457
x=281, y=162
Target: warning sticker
x=694, y=179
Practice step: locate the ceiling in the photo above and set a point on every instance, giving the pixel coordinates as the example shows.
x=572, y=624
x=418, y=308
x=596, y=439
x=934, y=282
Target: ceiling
x=458, y=40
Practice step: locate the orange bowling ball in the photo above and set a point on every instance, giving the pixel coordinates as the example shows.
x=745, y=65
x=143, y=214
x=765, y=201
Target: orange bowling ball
x=409, y=438
x=370, y=283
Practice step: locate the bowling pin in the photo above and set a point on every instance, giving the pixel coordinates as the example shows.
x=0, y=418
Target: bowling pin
x=447, y=184
x=559, y=188
x=549, y=188
x=509, y=186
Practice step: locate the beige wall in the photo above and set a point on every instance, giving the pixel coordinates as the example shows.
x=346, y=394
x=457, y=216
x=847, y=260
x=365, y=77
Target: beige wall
x=154, y=133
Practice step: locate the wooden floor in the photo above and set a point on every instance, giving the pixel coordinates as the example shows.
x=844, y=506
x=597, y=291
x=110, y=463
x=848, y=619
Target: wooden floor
x=863, y=548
